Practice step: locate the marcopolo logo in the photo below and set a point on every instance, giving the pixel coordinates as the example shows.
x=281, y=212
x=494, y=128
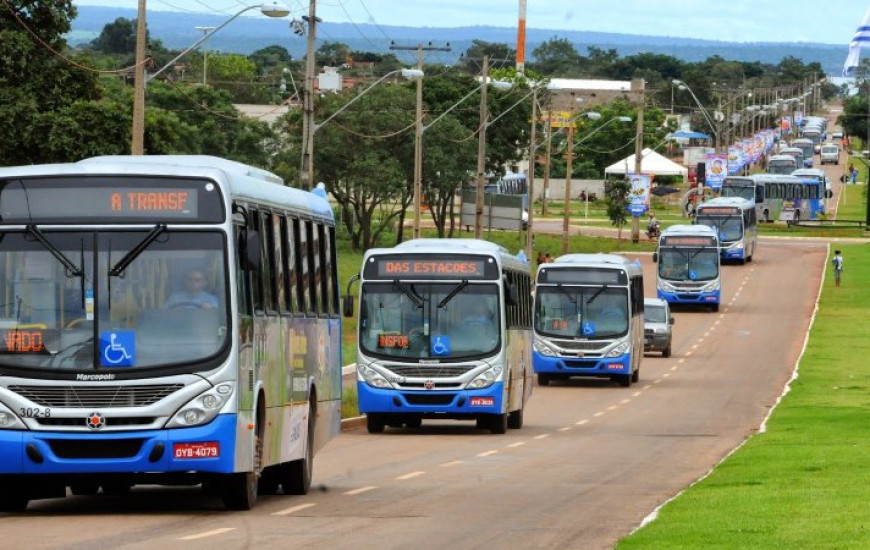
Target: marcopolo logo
x=94, y=377
x=96, y=421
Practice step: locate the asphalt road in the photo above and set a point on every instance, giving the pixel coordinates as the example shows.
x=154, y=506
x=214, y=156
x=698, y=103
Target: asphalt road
x=592, y=461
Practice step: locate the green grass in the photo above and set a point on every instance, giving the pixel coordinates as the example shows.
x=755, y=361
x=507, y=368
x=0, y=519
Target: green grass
x=349, y=404
x=803, y=483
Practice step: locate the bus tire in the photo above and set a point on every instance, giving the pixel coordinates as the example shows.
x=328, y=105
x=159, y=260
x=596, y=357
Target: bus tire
x=414, y=423
x=714, y=308
x=239, y=490
x=84, y=488
x=297, y=474
x=543, y=379
x=665, y=352
x=13, y=502
x=635, y=376
x=625, y=380
x=515, y=419
x=375, y=423
x=498, y=424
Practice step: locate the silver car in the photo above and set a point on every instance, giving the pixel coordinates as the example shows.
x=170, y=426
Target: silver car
x=657, y=326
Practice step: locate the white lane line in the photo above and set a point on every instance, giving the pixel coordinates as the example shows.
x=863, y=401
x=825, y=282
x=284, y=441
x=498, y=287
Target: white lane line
x=517, y=444
x=565, y=429
x=599, y=413
x=581, y=422
x=658, y=381
x=359, y=491
x=542, y=436
x=294, y=509
x=487, y=453
x=706, y=334
x=717, y=322
x=208, y=533
x=721, y=316
x=689, y=353
x=410, y=475
x=624, y=401
x=612, y=408
x=665, y=375
x=694, y=347
x=681, y=361
x=647, y=387
x=673, y=368
x=451, y=464
x=636, y=394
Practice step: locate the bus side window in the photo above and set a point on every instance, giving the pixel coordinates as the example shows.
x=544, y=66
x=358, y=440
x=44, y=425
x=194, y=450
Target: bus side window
x=302, y=268
x=267, y=252
x=280, y=279
x=242, y=276
x=257, y=274
x=313, y=268
x=289, y=261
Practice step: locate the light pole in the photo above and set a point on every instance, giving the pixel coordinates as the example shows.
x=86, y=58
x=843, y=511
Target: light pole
x=205, y=31
x=270, y=10
x=481, y=153
x=704, y=112
x=308, y=127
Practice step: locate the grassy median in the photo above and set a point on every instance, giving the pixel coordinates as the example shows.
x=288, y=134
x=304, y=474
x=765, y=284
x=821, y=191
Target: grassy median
x=805, y=482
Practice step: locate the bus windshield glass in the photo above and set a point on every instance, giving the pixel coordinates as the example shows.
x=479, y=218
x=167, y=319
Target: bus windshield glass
x=781, y=166
x=592, y=312
x=688, y=264
x=729, y=227
x=111, y=300
x=430, y=321
x=742, y=189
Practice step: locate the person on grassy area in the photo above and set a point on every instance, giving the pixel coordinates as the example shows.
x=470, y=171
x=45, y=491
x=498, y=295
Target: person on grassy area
x=853, y=174
x=837, y=260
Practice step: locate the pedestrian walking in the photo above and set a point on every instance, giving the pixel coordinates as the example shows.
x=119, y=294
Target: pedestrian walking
x=853, y=174
x=837, y=261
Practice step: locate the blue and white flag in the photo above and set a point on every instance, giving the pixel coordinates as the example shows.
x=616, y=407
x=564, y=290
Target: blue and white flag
x=860, y=40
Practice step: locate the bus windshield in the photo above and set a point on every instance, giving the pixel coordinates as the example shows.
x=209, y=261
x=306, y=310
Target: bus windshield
x=688, y=264
x=438, y=321
x=783, y=167
x=729, y=228
x=592, y=312
x=132, y=299
x=739, y=190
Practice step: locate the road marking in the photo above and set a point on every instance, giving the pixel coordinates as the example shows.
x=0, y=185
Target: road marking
x=565, y=429
x=636, y=394
x=647, y=387
x=689, y=353
x=360, y=490
x=681, y=361
x=517, y=444
x=487, y=453
x=451, y=464
x=695, y=347
x=717, y=322
x=721, y=316
x=294, y=509
x=542, y=436
x=665, y=375
x=209, y=533
x=599, y=413
x=410, y=475
x=674, y=368
x=706, y=334
x=581, y=422
x=624, y=401
x=657, y=381
x=612, y=408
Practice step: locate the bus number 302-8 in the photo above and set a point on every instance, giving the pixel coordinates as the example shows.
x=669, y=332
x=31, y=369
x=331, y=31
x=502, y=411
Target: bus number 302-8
x=34, y=412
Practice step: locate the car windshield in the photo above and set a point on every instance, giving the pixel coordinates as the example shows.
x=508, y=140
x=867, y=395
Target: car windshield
x=406, y=320
x=111, y=300
x=729, y=228
x=654, y=314
x=591, y=312
x=688, y=264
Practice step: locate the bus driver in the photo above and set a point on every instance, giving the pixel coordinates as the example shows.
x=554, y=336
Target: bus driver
x=194, y=294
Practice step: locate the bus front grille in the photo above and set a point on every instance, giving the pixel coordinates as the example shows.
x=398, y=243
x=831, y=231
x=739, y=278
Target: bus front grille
x=87, y=449
x=95, y=396
x=113, y=421
x=429, y=398
x=430, y=371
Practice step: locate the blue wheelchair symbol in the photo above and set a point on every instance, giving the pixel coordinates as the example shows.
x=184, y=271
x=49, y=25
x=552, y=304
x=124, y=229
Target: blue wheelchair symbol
x=117, y=349
x=693, y=275
x=440, y=345
x=588, y=328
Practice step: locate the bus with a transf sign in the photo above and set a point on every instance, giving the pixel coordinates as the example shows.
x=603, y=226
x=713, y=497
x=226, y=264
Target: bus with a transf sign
x=589, y=318
x=166, y=319
x=735, y=222
x=688, y=266
x=444, y=333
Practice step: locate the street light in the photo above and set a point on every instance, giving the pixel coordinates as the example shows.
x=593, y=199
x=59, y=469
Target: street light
x=704, y=112
x=205, y=31
x=272, y=9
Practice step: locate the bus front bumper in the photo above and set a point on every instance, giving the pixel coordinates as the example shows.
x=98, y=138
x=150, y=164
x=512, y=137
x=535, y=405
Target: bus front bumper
x=580, y=366
x=431, y=402
x=152, y=451
x=686, y=298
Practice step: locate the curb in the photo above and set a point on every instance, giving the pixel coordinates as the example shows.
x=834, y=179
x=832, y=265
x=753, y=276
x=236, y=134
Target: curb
x=354, y=423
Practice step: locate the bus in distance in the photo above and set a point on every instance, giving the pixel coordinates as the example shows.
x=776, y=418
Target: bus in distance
x=781, y=164
x=168, y=319
x=589, y=318
x=688, y=266
x=444, y=332
x=734, y=221
x=802, y=197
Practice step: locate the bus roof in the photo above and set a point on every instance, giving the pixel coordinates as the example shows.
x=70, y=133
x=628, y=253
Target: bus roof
x=455, y=246
x=815, y=172
x=244, y=181
x=595, y=260
x=803, y=141
x=739, y=202
x=683, y=229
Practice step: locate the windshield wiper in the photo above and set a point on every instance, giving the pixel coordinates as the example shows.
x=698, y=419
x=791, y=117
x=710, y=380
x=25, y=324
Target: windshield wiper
x=566, y=293
x=128, y=258
x=597, y=293
x=453, y=293
x=70, y=268
x=407, y=291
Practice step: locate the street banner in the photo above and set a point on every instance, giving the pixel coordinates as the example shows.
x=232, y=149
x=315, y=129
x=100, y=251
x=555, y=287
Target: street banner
x=717, y=169
x=638, y=197
x=799, y=118
x=786, y=124
x=859, y=41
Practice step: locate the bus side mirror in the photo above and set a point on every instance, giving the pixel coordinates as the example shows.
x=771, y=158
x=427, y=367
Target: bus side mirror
x=347, y=305
x=250, y=246
x=829, y=194
x=655, y=257
x=672, y=320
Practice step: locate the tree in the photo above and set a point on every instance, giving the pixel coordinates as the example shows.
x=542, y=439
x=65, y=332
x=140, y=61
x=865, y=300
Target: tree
x=333, y=54
x=556, y=56
x=500, y=54
x=617, y=204
x=118, y=37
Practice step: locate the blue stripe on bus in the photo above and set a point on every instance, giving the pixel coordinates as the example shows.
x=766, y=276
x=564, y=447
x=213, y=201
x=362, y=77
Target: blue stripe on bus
x=685, y=298
x=596, y=366
x=375, y=400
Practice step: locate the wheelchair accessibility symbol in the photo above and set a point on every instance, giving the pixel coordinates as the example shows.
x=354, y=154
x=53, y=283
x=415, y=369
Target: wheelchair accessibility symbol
x=440, y=345
x=588, y=329
x=117, y=349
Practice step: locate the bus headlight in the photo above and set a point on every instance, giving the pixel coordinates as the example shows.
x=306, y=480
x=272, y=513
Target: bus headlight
x=9, y=421
x=541, y=347
x=373, y=378
x=619, y=349
x=666, y=287
x=712, y=286
x=203, y=408
x=485, y=379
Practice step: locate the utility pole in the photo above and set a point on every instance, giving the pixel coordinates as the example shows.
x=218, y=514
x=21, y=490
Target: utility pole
x=547, y=163
x=307, y=170
x=569, y=167
x=137, y=146
x=531, y=179
x=521, y=40
x=418, y=131
x=205, y=31
x=638, y=159
x=481, y=153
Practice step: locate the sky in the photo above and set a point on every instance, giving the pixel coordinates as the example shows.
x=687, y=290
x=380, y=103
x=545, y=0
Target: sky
x=820, y=21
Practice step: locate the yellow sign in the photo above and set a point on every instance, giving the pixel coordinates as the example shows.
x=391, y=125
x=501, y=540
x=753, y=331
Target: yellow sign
x=559, y=119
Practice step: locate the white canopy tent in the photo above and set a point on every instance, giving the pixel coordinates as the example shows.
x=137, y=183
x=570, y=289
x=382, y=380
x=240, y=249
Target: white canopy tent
x=651, y=163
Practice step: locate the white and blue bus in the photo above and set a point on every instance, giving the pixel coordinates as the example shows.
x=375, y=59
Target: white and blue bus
x=688, y=266
x=444, y=333
x=802, y=197
x=589, y=318
x=165, y=319
x=735, y=222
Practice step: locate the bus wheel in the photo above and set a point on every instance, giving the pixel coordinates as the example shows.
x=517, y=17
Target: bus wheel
x=297, y=475
x=268, y=484
x=498, y=424
x=13, y=503
x=714, y=307
x=625, y=380
x=239, y=491
x=375, y=423
x=414, y=423
x=84, y=488
x=543, y=379
x=515, y=419
x=635, y=376
x=666, y=352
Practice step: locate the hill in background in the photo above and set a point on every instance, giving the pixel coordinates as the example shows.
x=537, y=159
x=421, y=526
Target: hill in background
x=246, y=35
